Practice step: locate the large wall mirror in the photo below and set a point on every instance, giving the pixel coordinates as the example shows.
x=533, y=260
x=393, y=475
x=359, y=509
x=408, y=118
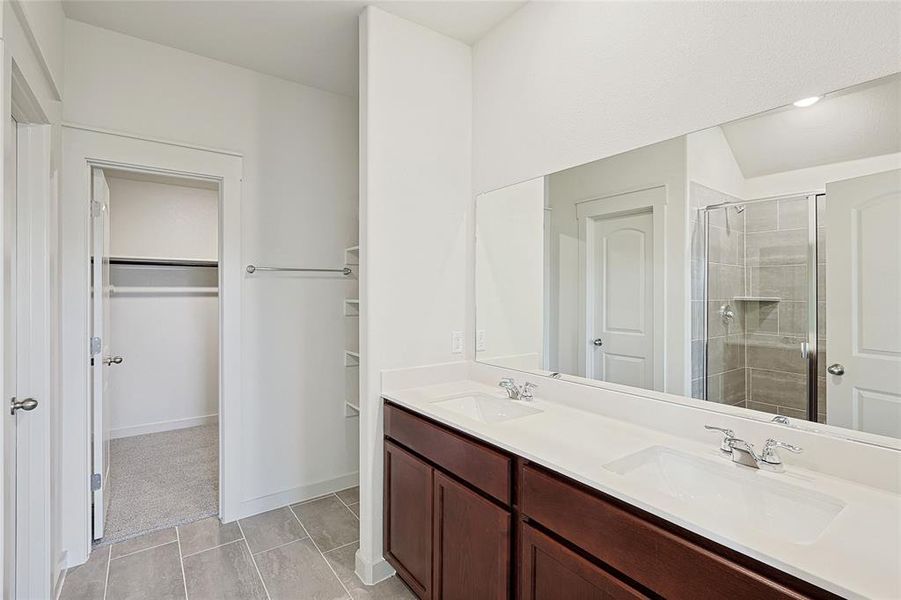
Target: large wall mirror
x=755, y=264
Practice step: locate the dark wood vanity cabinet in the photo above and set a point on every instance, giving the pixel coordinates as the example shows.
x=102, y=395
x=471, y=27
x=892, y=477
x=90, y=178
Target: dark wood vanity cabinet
x=453, y=503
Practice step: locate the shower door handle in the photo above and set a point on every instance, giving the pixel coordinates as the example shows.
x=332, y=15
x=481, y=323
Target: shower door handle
x=805, y=350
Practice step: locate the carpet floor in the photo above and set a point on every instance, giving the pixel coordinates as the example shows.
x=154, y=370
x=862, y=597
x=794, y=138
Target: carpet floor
x=161, y=480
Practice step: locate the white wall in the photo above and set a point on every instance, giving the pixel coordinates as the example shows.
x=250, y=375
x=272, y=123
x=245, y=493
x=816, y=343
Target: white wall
x=415, y=194
x=710, y=162
x=559, y=84
x=170, y=376
x=509, y=266
x=298, y=209
x=160, y=220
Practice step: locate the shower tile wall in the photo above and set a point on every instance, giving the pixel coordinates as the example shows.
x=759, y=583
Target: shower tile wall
x=754, y=360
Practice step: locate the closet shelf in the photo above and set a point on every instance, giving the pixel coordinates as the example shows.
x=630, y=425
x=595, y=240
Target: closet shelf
x=161, y=262
x=160, y=290
x=352, y=406
x=352, y=255
x=351, y=358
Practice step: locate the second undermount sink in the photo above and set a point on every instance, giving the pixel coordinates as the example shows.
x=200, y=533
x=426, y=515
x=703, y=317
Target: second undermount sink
x=486, y=409
x=732, y=494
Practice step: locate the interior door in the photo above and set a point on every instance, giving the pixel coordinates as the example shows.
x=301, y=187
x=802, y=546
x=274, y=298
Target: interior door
x=101, y=357
x=9, y=360
x=863, y=296
x=621, y=299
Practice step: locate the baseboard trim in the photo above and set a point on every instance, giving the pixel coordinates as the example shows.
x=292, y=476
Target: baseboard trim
x=159, y=426
x=372, y=573
x=260, y=504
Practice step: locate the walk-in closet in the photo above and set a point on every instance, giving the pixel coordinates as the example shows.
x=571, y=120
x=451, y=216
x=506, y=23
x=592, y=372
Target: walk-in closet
x=156, y=354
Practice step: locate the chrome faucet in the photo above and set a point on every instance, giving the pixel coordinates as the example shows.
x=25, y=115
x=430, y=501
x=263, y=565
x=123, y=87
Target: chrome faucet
x=514, y=392
x=744, y=453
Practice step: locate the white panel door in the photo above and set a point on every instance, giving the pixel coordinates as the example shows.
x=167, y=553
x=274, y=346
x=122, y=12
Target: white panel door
x=621, y=299
x=863, y=303
x=101, y=358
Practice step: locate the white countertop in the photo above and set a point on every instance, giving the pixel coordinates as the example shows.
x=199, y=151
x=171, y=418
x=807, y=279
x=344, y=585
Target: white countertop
x=857, y=556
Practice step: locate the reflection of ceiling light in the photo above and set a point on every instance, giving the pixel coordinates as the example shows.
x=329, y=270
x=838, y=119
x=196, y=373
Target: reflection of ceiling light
x=805, y=102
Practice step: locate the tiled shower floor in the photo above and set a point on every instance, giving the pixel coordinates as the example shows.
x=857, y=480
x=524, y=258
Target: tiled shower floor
x=297, y=552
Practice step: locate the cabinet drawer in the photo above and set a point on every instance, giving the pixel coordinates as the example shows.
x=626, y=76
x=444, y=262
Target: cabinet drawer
x=480, y=466
x=549, y=570
x=656, y=558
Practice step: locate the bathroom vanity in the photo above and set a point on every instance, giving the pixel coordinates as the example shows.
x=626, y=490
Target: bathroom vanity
x=490, y=498
x=466, y=520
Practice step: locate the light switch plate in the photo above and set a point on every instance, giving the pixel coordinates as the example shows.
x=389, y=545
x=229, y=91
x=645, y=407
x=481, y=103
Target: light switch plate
x=480, y=340
x=457, y=342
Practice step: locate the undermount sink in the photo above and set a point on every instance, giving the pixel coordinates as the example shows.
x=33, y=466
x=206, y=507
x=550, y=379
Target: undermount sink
x=486, y=409
x=732, y=494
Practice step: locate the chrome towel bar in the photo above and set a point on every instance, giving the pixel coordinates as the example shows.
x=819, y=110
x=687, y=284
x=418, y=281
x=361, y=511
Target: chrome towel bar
x=254, y=269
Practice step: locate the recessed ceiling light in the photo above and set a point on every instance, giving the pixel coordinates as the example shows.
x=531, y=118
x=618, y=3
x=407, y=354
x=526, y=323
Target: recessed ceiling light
x=805, y=102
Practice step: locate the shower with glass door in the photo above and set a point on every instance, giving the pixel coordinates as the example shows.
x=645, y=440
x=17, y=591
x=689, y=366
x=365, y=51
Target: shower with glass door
x=762, y=288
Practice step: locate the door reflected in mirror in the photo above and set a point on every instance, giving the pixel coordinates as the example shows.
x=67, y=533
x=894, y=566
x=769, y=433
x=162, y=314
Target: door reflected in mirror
x=755, y=264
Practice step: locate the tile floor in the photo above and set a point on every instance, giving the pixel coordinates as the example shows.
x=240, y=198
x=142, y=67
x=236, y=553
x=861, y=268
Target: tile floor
x=300, y=552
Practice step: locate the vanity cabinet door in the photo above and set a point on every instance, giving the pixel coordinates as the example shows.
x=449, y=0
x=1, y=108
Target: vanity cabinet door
x=408, y=518
x=472, y=544
x=549, y=570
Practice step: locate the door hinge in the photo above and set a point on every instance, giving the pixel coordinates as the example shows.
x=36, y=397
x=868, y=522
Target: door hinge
x=96, y=481
x=96, y=208
x=95, y=345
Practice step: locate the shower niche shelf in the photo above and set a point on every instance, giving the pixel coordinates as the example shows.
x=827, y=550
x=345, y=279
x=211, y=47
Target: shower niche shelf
x=756, y=299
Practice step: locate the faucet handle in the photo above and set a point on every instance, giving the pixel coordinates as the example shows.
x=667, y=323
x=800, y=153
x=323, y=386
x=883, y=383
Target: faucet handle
x=728, y=436
x=526, y=393
x=770, y=456
x=507, y=381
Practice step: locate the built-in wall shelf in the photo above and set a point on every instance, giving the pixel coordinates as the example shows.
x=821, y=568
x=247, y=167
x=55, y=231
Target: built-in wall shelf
x=756, y=299
x=352, y=255
x=352, y=357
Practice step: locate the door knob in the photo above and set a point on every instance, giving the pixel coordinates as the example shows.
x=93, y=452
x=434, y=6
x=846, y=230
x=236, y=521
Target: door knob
x=26, y=404
x=113, y=360
x=836, y=369
x=598, y=342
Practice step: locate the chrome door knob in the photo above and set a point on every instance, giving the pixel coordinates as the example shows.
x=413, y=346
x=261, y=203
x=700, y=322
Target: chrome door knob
x=26, y=404
x=598, y=342
x=836, y=369
x=113, y=360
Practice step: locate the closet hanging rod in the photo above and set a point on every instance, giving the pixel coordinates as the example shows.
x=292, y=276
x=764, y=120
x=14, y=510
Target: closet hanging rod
x=254, y=269
x=161, y=262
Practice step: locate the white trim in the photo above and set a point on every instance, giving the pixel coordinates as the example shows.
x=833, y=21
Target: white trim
x=133, y=430
x=36, y=48
x=132, y=136
x=260, y=504
x=372, y=573
x=84, y=148
x=608, y=206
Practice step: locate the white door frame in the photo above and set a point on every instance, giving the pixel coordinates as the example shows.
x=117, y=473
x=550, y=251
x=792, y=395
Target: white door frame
x=83, y=149
x=619, y=204
x=32, y=574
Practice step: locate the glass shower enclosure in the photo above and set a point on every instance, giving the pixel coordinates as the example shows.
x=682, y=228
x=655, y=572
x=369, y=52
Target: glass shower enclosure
x=763, y=290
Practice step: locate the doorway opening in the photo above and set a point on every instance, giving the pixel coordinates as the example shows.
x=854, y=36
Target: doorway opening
x=155, y=348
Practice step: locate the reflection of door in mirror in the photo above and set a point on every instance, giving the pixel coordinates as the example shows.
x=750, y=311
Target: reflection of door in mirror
x=619, y=311
x=863, y=306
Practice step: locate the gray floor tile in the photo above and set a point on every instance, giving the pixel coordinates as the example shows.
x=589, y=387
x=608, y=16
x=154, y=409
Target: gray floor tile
x=87, y=581
x=298, y=571
x=142, y=542
x=343, y=562
x=328, y=522
x=349, y=496
x=271, y=529
x=355, y=509
x=206, y=534
x=154, y=574
x=223, y=573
